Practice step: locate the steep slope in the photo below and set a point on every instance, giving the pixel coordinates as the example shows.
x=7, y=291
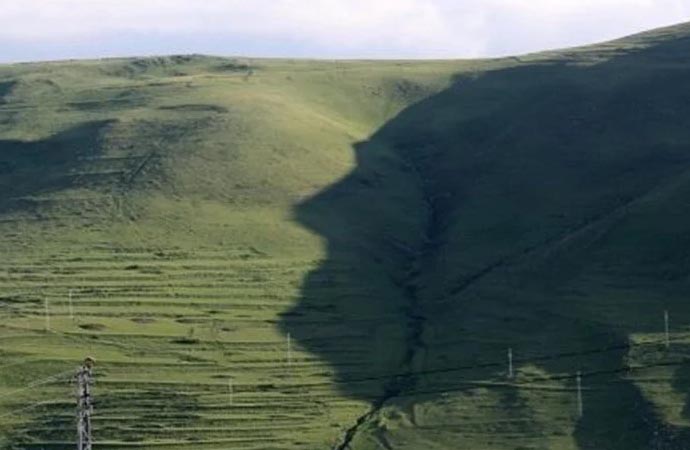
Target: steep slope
x=302, y=254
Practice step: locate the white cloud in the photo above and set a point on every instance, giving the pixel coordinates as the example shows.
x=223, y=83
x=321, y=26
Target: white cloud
x=528, y=25
x=413, y=23
x=444, y=28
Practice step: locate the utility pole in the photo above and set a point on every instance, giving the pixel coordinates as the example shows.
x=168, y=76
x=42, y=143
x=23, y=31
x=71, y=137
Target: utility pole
x=84, y=405
x=289, y=350
x=47, y=313
x=230, y=392
x=667, y=341
x=580, y=408
x=510, y=363
x=71, y=308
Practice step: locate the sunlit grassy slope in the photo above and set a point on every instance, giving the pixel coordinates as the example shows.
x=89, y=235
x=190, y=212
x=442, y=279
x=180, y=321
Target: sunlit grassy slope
x=404, y=223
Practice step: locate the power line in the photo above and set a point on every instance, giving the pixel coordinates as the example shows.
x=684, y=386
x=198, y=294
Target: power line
x=32, y=406
x=524, y=381
x=502, y=384
x=37, y=383
x=409, y=374
x=463, y=385
x=485, y=365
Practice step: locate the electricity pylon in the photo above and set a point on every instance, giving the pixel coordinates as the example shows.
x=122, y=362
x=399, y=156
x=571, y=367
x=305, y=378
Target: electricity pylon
x=84, y=405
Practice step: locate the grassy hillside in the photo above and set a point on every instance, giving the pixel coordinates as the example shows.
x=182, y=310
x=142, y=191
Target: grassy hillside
x=401, y=224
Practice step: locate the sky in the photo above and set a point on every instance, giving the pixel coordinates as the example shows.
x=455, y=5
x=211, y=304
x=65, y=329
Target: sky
x=61, y=29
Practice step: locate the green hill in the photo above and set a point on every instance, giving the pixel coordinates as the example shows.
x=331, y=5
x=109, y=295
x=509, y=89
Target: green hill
x=294, y=254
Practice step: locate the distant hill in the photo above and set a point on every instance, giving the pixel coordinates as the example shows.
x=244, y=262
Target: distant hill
x=296, y=254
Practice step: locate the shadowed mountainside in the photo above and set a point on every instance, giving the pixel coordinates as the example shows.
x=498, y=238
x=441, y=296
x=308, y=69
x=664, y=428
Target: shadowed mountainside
x=30, y=169
x=539, y=208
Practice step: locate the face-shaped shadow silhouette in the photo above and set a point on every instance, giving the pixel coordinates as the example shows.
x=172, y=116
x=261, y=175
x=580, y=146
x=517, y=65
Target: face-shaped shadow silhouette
x=510, y=210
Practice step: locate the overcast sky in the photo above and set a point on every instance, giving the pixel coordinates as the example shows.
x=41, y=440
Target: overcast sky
x=59, y=29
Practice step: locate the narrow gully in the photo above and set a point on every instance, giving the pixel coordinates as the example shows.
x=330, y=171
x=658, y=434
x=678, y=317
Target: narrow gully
x=414, y=313
x=397, y=385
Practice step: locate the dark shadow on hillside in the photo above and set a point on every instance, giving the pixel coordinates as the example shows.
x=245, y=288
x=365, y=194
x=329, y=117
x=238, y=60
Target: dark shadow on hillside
x=5, y=89
x=469, y=220
x=31, y=168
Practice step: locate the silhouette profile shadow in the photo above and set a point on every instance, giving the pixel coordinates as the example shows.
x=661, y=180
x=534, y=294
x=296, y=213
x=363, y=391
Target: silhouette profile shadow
x=507, y=211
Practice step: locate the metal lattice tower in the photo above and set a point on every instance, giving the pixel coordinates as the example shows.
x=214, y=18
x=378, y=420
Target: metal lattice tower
x=84, y=405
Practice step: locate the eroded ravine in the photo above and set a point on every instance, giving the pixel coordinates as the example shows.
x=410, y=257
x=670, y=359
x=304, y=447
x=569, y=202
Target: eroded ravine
x=406, y=378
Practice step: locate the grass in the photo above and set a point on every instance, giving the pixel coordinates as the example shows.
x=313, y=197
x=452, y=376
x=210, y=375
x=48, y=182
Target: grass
x=404, y=222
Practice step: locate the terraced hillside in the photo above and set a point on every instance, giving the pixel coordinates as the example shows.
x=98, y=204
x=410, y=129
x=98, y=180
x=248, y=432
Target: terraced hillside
x=275, y=254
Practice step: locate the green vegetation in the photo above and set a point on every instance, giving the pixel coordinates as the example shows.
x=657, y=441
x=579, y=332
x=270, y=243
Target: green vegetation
x=405, y=223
